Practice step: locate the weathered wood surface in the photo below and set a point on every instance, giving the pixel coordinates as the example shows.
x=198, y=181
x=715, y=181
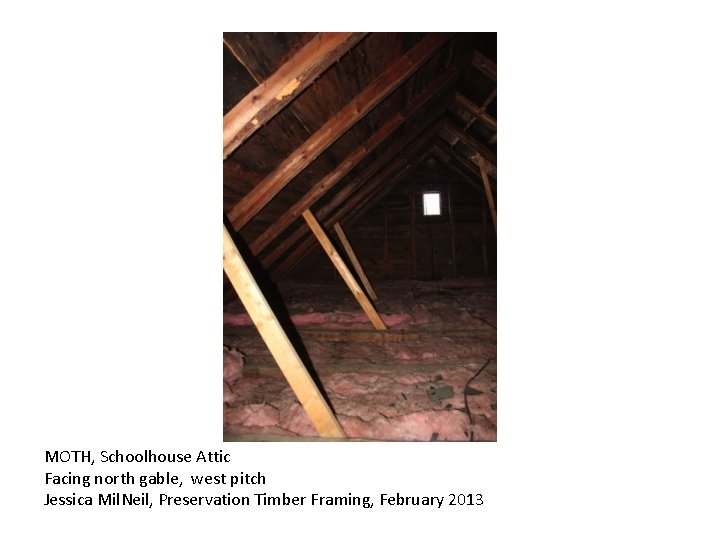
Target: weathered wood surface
x=343, y=270
x=277, y=341
x=338, y=124
x=353, y=159
x=275, y=93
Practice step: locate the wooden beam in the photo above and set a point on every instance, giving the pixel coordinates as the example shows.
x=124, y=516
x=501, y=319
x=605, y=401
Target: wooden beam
x=448, y=161
x=335, y=127
x=277, y=341
x=380, y=369
x=352, y=160
x=489, y=99
x=275, y=93
x=464, y=162
x=376, y=190
x=488, y=191
x=473, y=143
x=342, y=269
x=484, y=65
x=475, y=110
x=388, y=159
x=354, y=205
x=309, y=333
x=354, y=260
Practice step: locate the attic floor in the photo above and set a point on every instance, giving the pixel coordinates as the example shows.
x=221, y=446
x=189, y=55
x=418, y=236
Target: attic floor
x=431, y=376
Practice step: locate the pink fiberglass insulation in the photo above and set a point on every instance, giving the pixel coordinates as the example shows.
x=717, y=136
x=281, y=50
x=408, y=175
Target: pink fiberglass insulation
x=380, y=390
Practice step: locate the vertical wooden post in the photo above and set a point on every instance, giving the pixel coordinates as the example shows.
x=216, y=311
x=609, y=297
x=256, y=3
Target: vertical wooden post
x=488, y=191
x=354, y=260
x=277, y=341
x=412, y=228
x=355, y=289
x=452, y=231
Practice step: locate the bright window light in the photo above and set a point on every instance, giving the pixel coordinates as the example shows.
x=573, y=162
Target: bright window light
x=431, y=204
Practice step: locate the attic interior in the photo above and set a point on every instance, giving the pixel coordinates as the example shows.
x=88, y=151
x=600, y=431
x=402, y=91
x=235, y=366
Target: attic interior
x=360, y=189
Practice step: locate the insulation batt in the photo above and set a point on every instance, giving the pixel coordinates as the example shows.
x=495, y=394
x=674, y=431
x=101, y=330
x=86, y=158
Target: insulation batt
x=233, y=362
x=378, y=389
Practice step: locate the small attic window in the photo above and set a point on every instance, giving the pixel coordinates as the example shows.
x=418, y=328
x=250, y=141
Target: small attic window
x=431, y=204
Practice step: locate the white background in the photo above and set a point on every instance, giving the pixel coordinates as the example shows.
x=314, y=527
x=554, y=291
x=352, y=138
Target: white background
x=110, y=214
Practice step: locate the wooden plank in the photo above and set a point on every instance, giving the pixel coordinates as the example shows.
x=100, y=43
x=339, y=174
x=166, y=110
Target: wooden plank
x=466, y=164
x=489, y=99
x=357, y=204
x=463, y=173
x=343, y=270
x=352, y=160
x=275, y=93
x=476, y=111
x=488, y=191
x=425, y=129
x=277, y=341
x=473, y=143
x=484, y=65
x=373, y=336
x=335, y=127
x=230, y=436
x=379, y=369
x=354, y=260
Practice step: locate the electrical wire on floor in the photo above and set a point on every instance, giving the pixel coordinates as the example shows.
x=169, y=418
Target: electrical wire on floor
x=465, y=394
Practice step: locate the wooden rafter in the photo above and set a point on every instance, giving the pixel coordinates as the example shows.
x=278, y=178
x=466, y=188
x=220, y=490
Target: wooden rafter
x=277, y=341
x=475, y=110
x=396, y=169
x=460, y=158
x=273, y=94
x=450, y=162
x=489, y=99
x=344, y=271
x=372, y=193
x=423, y=131
x=364, y=198
x=472, y=142
x=355, y=157
x=484, y=65
x=336, y=126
